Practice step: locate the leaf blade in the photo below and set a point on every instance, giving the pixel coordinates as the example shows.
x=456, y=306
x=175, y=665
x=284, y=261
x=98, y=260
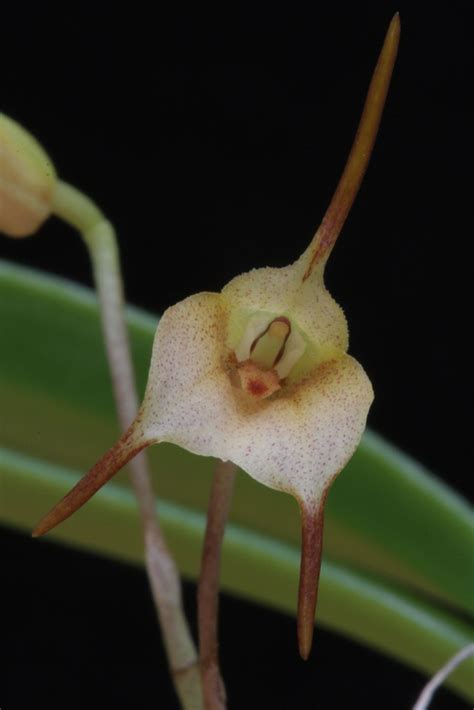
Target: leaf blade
x=54, y=385
x=255, y=567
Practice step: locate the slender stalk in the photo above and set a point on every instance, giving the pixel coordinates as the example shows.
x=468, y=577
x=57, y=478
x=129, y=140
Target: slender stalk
x=99, y=236
x=438, y=679
x=208, y=585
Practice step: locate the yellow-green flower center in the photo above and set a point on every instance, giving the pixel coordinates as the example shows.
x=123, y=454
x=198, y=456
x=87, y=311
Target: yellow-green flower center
x=267, y=350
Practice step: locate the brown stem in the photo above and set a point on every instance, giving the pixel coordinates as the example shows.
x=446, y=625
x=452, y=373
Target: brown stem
x=208, y=586
x=358, y=159
x=312, y=522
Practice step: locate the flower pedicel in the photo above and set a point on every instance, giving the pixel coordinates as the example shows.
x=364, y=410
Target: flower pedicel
x=259, y=374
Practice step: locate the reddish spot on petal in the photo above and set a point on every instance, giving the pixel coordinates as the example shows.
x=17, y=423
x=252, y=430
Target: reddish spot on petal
x=256, y=382
x=257, y=388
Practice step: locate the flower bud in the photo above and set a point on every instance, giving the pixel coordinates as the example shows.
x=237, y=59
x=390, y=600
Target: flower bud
x=27, y=181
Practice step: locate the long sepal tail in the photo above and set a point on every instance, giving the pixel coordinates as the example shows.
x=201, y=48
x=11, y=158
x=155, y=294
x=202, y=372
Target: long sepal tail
x=354, y=171
x=312, y=523
x=128, y=446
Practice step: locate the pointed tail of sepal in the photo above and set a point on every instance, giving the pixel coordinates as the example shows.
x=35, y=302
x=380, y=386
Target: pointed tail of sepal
x=128, y=446
x=312, y=520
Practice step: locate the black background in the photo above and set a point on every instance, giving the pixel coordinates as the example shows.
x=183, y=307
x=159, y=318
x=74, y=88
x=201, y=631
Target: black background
x=214, y=141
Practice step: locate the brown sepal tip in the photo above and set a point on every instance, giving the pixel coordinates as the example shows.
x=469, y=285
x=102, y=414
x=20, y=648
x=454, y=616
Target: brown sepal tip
x=312, y=519
x=111, y=462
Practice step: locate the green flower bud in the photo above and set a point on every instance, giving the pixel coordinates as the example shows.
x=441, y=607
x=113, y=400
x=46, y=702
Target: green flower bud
x=27, y=181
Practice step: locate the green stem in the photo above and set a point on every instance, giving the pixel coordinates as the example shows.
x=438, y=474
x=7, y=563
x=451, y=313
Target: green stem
x=79, y=211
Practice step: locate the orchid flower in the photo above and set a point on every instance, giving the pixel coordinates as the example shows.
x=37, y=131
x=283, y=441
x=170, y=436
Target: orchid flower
x=259, y=374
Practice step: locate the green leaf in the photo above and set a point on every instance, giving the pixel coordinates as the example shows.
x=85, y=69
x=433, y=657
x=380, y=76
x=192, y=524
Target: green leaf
x=388, y=521
x=255, y=566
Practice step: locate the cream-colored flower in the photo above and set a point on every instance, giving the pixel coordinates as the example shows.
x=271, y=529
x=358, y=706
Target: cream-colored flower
x=27, y=181
x=259, y=374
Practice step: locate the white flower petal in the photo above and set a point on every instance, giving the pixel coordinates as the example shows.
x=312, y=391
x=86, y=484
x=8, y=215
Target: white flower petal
x=295, y=441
